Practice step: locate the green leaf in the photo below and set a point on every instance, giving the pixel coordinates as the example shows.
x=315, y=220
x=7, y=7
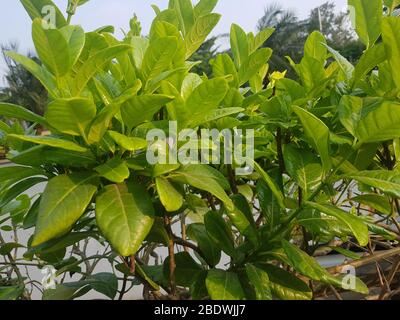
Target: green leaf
x=205, y=98
x=272, y=185
x=354, y=223
x=39, y=72
x=211, y=253
x=71, y=116
x=242, y=219
x=260, y=281
x=34, y=9
x=253, y=63
x=390, y=36
x=346, y=253
x=360, y=286
x=205, y=178
x=17, y=189
x=128, y=143
x=223, y=285
x=386, y=181
x=303, y=167
x=311, y=73
x=314, y=46
x=199, y=32
x=204, y=7
x=114, y=170
x=158, y=57
x=95, y=64
x=185, y=14
x=49, y=141
x=75, y=37
x=171, y=199
x=187, y=270
x=285, y=285
x=223, y=66
x=16, y=173
x=142, y=108
x=7, y=248
x=13, y=111
x=317, y=133
x=11, y=293
x=381, y=123
x=344, y=64
x=369, y=60
x=260, y=39
x=368, y=18
x=125, y=216
x=219, y=232
x=376, y=201
x=67, y=291
x=239, y=45
x=52, y=48
x=105, y=283
x=305, y=264
x=100, y=124
x=63, y=202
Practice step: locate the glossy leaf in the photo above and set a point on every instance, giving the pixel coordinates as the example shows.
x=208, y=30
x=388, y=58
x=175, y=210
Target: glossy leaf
x=114, y=170
x=13, y=111
x=285, y=285
x=211, y=253
x=52, y=48
x=303, y=167
x=49, y=141
x=253, y=63
x=260, y=281
x=390, y=36
x=354, y=223
x=34, y=9
x=368, y=18
x=94, y=64
x=125, y=215
x=205, y=178
x=224, y=285
x=386, y=181
x=142, y=108
x=63, y=202
x=171, y=199
x=219, y=232
x=129, y=143
x=317, y=133
x=239, y=45
x=71, y=116
x=158, y=57
x=199, y=32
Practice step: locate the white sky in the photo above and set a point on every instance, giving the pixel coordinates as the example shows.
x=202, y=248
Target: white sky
x=15, y=25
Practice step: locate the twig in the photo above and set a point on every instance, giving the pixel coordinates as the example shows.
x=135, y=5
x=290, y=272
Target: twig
x=171, y=254
x=365, y=261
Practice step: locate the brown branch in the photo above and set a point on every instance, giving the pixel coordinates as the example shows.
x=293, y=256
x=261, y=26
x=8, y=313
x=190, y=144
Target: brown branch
x=365, y=261
x=171, y=254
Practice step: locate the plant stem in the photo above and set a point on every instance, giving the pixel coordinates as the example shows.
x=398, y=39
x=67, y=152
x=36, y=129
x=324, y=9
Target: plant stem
x=14, y=266
x=281, y=160
x=232, y=179
x=171, y=254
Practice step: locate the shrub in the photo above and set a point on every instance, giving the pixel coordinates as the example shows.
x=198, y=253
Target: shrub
x=326, y=158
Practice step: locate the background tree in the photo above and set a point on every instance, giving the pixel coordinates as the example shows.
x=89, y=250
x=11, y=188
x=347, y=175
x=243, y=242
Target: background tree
x=22, y=88
x=291, y=33
x=207, y=51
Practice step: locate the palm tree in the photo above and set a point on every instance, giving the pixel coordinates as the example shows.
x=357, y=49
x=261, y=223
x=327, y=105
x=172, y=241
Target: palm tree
x=291, y=33
x=288, y=38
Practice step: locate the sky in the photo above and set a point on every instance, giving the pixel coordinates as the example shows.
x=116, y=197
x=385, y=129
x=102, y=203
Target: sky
x=15, y=24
